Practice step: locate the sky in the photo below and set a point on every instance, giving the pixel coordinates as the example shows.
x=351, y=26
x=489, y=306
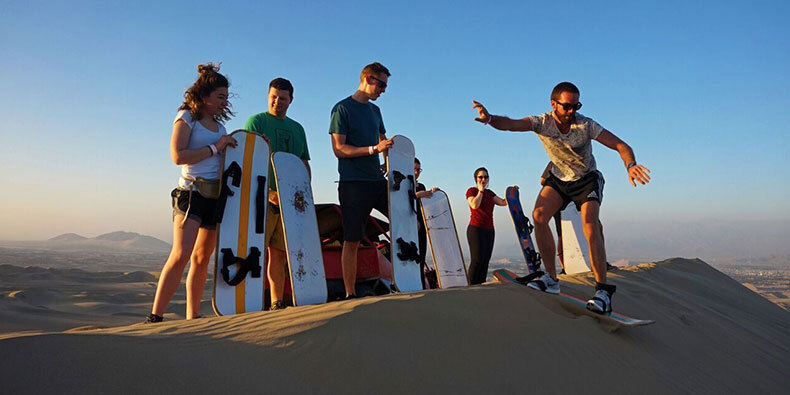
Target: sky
x=698, y=89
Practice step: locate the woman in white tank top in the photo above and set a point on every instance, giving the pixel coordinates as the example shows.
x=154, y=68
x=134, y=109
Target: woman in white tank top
x=196, y=144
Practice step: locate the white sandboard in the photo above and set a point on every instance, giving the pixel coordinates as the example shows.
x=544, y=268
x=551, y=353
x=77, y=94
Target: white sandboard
x=574, y=244
x=241, y=232
x=443, y=238
x=302, y=242
x=403, y=215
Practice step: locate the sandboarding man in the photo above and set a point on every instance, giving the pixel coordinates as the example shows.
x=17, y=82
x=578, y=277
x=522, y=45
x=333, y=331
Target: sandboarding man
x=358, y=136
x=284, y=135
x=566, y=136
x=422, y=236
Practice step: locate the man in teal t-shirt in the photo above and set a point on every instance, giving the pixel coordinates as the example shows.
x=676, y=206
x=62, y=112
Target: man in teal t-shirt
x=358, y=136
x=285, y=135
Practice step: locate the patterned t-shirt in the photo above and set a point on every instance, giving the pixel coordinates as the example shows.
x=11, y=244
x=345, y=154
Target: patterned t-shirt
x=570, y=153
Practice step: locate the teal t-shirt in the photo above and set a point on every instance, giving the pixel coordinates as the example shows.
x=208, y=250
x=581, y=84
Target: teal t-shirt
x=285, y=135
x=361, y=123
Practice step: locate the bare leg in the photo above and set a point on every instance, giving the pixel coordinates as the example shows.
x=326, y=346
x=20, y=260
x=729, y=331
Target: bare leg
x=198, y=270
x=276, y=273
x=170, y=278
x=548, y=203
x=349, y=261
x=558, y=227
x=593, y=232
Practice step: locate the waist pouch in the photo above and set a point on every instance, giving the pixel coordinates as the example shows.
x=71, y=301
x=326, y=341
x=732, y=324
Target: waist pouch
x=209, y=189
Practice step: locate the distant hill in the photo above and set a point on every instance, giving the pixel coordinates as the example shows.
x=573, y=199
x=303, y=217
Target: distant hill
x=119, y=241
x=67, y=237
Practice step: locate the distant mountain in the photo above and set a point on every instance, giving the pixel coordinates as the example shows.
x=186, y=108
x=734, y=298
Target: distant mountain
x=68, y=237
x=109, y=242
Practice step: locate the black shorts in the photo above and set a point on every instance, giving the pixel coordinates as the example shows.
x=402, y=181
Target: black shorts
x=589, y=187
x=200, y=209
x=357, y=200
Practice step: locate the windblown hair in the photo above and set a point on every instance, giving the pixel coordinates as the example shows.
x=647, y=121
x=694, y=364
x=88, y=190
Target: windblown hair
x=563, y=87
x=283, y=85
x=479, y=169
x=209, y=79
x=374, y=68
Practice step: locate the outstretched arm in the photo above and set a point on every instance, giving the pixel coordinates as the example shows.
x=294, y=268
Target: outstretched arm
x=501, y=122
x=636, y=172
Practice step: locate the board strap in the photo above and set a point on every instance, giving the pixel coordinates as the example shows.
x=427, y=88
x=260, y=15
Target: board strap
x=407, y=250
x=250, y=264
x=233, y=172
x=261, y=196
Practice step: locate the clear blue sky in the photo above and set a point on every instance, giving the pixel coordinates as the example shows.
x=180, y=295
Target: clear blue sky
x=698, y=89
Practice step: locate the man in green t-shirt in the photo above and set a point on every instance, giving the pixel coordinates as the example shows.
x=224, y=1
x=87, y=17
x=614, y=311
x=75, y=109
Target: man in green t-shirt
x=284, y=135
x=358, y=136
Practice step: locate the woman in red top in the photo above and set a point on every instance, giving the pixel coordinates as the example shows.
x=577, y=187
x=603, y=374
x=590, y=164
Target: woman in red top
x=480, y=232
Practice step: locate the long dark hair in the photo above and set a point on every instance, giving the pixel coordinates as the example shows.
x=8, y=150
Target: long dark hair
x=209, y=79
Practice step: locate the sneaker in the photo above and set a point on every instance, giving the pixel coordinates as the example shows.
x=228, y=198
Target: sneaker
x=546, y=284
x=153, y=318
x=352, y=296
x=278, y=305
x=600, y=303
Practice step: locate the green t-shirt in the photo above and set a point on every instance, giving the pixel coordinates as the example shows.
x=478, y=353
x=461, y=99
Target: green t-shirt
x=361, y=123
x=285, y=135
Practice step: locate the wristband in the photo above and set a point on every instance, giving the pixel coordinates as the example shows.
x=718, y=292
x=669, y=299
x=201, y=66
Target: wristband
x=213, y=149
x=490, y=118
x=370, y=150
x=630, y=165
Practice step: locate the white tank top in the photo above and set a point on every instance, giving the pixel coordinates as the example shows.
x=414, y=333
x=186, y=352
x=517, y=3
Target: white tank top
x=199, y=138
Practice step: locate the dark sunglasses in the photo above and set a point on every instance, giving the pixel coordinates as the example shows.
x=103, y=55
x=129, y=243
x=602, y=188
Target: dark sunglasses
x=482, y=177
x=568, y=106
x=379, y=82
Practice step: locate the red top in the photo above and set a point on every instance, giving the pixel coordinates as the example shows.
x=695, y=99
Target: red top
x=483, y=216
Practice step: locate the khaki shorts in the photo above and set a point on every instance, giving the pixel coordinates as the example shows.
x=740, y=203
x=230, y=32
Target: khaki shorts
x=275, y=234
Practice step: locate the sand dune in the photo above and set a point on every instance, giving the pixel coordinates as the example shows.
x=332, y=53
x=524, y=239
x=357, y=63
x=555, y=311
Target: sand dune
x=712, y=336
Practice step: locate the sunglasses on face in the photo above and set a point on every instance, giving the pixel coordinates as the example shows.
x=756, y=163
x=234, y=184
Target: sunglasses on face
x=379, y=82
x=482, y=177
x=568, y=106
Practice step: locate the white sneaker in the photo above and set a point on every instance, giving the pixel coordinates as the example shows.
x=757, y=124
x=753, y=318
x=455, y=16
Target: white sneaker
x=546, y=284
x=600, y=303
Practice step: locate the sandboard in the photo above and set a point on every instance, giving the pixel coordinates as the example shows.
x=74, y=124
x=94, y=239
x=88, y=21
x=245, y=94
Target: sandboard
x=239, y=272
x=574, y=244
x=576, y=305
x=302, y=242
x=523, y=229
x=443, y=239
x=404, y=253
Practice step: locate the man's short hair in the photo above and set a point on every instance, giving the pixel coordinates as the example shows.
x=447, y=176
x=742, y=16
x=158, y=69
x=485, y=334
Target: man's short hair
x=417, y=161
x=374, y=68
x=283, y=85
x=563, y=87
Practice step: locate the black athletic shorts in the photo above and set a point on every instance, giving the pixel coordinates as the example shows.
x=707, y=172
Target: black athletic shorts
x=357, y=200
x=589, y=187
x=200, y=209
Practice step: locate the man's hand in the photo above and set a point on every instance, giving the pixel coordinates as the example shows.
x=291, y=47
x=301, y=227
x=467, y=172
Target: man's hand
x=274, y=198
x=639, y=173
x=384, y=145
x=484, y=117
